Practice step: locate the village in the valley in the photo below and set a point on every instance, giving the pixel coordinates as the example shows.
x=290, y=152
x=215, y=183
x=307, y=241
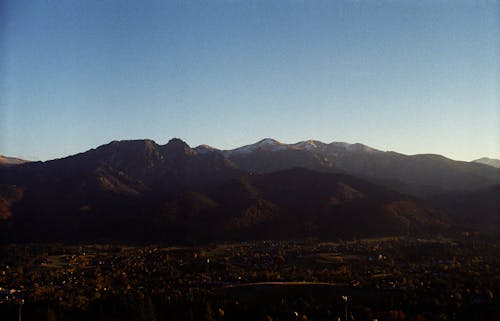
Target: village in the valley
x=369, y=279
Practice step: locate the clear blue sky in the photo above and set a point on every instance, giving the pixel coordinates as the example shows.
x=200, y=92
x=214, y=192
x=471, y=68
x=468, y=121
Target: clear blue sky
x=410, y=76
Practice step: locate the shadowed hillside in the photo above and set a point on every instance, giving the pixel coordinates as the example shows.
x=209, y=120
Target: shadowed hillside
x=141, y=191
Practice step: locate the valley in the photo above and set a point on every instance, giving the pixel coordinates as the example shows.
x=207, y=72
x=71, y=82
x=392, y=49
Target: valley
x=384, y=278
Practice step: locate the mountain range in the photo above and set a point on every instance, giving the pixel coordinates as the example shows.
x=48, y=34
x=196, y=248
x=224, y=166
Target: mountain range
x=418, y=175
x=138, y=190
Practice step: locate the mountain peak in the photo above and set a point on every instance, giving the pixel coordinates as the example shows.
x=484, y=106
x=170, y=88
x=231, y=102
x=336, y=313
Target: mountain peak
x=361, y=148
x=129, y=146
x=308, y=144
x=268, y=142
x=204, y=148
x=176, y=140
x=177, y=145
x=488, y=161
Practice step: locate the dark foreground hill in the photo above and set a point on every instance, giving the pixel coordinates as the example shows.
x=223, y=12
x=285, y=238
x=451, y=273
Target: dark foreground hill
x=300, y=202
x=141, y=191
x=105, y=191
x=478, y=210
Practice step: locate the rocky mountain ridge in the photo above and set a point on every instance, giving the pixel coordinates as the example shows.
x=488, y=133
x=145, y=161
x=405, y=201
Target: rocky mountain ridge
x=140, y=191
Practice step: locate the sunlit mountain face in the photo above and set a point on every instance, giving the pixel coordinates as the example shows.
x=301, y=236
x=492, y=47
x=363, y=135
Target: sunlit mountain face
x=10, y=161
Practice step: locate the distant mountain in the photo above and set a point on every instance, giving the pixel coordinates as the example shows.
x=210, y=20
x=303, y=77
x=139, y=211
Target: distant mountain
x=488, y=161
x=267, y=144
x=10, y=161
x=269, y=155
x=419, y=175
x=138, y=190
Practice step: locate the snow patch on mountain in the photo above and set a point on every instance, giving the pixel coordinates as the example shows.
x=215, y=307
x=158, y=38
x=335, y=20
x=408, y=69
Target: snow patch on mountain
x=203, y=149
x=309, y=145
x=272, y=145
x=267, y=144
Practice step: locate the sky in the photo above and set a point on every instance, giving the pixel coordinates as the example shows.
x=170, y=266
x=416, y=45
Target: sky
x=408, y=76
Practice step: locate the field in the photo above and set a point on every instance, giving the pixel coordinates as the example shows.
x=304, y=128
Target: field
x=384, y=279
